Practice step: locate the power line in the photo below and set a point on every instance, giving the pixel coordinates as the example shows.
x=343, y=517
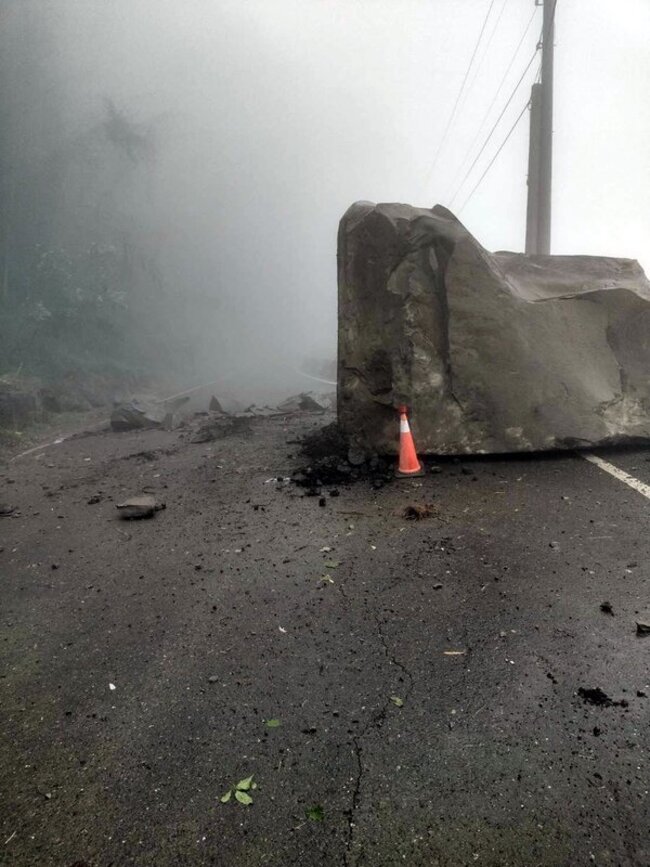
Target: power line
x=459, y=95
x=491, y=163
x=496, y=123
x=481, y=61
x=495, y=97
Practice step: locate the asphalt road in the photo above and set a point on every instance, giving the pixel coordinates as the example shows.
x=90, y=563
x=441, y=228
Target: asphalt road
x=425, y=674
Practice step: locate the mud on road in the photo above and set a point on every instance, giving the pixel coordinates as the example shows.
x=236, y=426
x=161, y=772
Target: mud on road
x=425, y=675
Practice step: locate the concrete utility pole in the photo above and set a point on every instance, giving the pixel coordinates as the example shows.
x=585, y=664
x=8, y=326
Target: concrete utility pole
x=532, y=210
x=540, y=160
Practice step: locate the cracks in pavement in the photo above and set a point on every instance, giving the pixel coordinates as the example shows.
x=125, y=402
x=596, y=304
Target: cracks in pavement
x=352, y=859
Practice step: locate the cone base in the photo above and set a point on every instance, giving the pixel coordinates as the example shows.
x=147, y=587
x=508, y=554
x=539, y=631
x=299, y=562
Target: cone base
x=412, y=475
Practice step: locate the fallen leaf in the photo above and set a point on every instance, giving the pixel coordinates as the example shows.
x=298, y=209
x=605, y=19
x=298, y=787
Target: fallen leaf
x=454, y=652
x=225, y=798
x=332, y=564
x=273, y=723
x=282, y=629
x=315, y=813
x=244, y=785
x=243, y=798
x=397, y=701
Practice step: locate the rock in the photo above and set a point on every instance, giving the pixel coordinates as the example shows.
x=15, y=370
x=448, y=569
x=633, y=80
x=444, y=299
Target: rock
x=144, y=506
x=137, y=414
x=492, y=352
x=215, y=406
x=7, y=511
x=306, y=402
x=643, y=627
x=217, y=427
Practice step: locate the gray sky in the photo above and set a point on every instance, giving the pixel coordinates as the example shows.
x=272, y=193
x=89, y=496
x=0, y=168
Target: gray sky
x=275, y=115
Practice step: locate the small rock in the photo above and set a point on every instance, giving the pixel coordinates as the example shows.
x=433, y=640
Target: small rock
x=595, y=696
x=437, y=586
x=213, y=678
x=144, y=506
x=606, y=608
x=356, y=456
x=643, y=627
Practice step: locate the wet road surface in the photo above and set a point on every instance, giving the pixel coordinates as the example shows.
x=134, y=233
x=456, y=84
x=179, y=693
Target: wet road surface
x=425, y=674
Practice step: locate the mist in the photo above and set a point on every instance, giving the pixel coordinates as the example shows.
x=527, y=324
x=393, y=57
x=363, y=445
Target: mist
x=207, y=150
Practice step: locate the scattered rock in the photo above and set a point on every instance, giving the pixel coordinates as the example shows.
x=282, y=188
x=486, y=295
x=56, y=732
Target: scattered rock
x=217, y=427
x=137, y=414
x=307, y=402
x=599, y=698
x=144, y=506
x=595, y=696
x=418, y=511
x=215, y=406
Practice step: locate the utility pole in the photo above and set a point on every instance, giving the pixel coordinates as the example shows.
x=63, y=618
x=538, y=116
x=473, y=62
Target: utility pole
x=540, y=159
x=532, y=210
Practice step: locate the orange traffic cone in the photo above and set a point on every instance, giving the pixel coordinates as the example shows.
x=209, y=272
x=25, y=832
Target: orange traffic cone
x=409, y=465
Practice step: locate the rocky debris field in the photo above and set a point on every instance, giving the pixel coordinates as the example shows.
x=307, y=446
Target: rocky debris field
x=286, y=667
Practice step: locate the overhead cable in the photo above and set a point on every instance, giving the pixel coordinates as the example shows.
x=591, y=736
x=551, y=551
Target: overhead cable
x=495, y=125
x=495, y=97
x=459, y=95
x=492, y=161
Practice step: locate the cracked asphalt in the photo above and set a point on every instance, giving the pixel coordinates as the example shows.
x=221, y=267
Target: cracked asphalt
x=425, y=673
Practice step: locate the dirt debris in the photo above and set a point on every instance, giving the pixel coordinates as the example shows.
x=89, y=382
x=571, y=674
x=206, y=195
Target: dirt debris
x=418, y=511
x=597, y=697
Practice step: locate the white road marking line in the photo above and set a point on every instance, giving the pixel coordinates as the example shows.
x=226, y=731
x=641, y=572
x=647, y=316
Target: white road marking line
x=621, y=475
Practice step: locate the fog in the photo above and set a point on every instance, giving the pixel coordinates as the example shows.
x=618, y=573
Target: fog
x=220, y=142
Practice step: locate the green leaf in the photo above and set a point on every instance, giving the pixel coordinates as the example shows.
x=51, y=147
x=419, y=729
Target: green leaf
x=244, y=785
x=243, y=798
x=332, y=564
x=273, y=723
x=225, y=798
x=315, y=813
x=399, y=702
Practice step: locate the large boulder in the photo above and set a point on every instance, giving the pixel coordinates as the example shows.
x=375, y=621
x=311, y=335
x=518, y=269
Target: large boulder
x=492, y=352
